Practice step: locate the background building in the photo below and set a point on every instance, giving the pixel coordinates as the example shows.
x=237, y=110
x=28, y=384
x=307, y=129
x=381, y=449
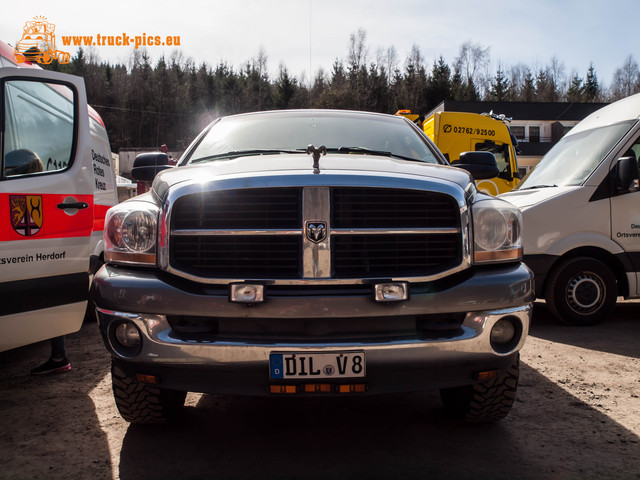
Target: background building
x=536, y=125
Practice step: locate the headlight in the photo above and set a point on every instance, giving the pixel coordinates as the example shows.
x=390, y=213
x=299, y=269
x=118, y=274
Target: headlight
x=130, y=233
x=497, y=231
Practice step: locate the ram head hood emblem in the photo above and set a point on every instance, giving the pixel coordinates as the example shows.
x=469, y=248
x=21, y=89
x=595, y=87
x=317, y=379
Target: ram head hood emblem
x=321, y=150
x=316, y=231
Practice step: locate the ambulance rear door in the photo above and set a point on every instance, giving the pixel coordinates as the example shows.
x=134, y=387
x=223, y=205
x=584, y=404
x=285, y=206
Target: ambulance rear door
x=46, y=205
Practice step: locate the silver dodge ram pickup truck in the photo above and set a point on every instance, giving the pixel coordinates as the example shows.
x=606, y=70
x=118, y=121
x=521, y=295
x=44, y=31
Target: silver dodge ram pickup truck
x=313, y=252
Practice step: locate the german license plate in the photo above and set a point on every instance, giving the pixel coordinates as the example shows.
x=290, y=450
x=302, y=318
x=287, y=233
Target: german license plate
x=317, y=365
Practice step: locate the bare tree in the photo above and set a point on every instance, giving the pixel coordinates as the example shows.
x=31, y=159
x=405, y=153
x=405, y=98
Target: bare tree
x=517, y=75
x=259, y=63
x=472, y=63
x=626, y=79
x=557, y=75
x=358, y=49
x=387, y=61
x=415, y=59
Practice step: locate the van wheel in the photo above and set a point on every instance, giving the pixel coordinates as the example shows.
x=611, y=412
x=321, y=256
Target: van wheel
x=581, y=291
x=142, y=403
x=483, y=402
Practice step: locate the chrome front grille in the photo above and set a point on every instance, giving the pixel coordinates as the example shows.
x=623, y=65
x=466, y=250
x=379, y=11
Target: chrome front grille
x=254, y=208
x=314, y=233
x=250, y=256
x=356, y=256
x=392, y=208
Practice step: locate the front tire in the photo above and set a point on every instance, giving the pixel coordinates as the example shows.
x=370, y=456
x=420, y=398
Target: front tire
x=142, y=403
x=483, y=402
x=581, y=291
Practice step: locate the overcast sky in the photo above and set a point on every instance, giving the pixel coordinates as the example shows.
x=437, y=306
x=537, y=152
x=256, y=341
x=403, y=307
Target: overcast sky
x=306, y=35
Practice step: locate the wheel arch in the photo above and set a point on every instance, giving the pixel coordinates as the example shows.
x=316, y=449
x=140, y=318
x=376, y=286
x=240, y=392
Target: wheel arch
x=614, y=262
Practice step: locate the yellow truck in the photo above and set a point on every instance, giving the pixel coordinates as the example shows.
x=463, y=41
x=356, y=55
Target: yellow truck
x=457, y=132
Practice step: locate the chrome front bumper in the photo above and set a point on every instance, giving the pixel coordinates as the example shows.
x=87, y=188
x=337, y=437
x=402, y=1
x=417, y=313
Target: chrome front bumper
x=242, y=367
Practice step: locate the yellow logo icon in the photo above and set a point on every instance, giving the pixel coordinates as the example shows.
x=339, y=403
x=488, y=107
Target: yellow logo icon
x=38, y=43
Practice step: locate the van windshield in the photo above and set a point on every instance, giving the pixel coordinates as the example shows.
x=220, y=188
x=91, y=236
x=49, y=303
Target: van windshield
x=575, y=157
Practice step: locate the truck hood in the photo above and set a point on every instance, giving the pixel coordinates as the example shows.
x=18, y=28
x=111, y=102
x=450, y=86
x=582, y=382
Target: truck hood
x=302, y=165
x=524, y=199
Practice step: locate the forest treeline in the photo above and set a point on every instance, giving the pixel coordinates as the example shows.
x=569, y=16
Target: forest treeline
x=170, y=101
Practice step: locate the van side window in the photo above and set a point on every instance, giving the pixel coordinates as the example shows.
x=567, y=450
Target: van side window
x=635, y=149
x=39, y=128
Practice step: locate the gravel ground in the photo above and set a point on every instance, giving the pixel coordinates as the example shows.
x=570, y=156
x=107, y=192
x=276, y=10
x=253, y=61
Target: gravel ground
x=576, y=417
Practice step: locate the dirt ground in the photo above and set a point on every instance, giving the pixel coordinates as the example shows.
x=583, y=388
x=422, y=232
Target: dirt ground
x=577, y=416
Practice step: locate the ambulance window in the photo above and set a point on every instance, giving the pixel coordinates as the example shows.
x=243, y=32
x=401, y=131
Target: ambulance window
x=39, y=128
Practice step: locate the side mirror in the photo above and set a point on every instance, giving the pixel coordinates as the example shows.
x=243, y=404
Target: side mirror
x=147, y=165
x=481, y=165
x=625, y=176
x=514, y=142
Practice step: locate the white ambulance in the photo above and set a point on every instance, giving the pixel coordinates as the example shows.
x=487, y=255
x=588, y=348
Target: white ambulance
x=581, y=216
x=57, y=181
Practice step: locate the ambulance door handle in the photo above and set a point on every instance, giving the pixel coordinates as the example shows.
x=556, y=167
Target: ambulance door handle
x=73, y=206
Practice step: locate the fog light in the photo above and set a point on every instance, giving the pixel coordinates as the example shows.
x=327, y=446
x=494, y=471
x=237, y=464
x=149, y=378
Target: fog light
x=391, y=292
x=246, y=293
x=502, y=332
x=128, y=335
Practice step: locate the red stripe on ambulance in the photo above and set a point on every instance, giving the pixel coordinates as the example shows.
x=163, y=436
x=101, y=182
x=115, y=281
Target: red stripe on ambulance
x=25, y=216
x=99, y=213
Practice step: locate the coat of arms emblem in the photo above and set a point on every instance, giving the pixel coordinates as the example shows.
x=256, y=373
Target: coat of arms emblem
x=26, y=214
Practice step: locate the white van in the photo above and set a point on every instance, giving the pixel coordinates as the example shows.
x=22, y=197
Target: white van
x=581, y=213
x=57, y=181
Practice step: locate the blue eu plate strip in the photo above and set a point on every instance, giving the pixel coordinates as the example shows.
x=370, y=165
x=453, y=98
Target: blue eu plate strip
x=277, y=365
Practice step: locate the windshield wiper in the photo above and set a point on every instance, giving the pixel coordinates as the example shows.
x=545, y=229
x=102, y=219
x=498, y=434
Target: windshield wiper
x=242, y=153
x=538, y=186
x=367, y=151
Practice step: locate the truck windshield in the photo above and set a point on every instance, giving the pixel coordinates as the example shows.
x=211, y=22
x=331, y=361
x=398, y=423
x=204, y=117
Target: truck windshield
x=291, y=132
x=575, y=157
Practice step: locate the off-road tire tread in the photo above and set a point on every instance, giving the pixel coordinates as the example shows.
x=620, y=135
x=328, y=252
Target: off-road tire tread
x=492, y=401
x=484, y=402
x=141, y=403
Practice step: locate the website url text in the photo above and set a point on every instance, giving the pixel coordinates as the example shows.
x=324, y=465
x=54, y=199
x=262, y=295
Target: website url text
x=122, y=40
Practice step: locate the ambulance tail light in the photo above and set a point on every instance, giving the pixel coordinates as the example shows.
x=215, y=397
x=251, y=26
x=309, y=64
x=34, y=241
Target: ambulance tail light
x=130, y=233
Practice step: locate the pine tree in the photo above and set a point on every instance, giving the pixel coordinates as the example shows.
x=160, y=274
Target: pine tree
x=575, y=92
x=285, y=88
x=457, y=87
x=499, y=87
x=591, y=86
x=529, y=87
x=440, y=83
